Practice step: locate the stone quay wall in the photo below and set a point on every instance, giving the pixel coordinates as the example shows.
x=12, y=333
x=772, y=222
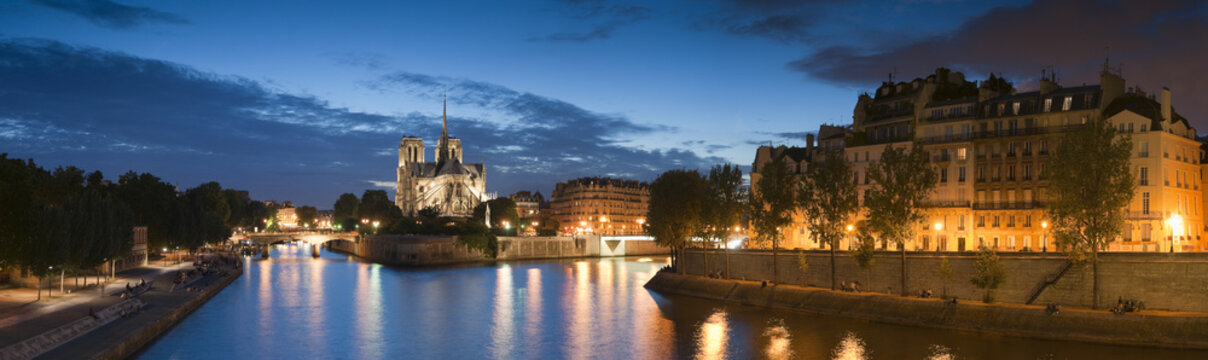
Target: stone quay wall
x=1154, y=329
x=443, y=250
x=1175, y=282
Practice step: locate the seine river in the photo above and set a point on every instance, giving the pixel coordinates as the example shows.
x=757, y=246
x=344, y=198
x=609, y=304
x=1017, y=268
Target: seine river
x=295, y=307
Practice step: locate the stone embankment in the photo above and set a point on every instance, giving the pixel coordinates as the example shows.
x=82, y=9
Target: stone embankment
x=445, y=250
x=117, y=332
x=1147, y=328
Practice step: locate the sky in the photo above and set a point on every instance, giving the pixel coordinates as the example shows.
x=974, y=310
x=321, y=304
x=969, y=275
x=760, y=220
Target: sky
x=305, y=100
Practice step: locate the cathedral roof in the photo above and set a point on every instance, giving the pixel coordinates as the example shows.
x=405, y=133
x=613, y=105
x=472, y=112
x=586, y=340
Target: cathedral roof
x=453, y=168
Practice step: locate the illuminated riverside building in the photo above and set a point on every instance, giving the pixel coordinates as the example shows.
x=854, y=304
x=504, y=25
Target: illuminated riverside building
x=601, y=206
x=991, y=144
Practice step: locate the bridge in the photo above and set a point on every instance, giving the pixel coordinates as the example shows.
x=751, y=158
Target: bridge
x=315, y=239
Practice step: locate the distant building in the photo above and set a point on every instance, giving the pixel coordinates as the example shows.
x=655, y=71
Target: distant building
x=446, y=185
x=601, y=206
x=528, y=205
x=324, y=219
x=287, y=218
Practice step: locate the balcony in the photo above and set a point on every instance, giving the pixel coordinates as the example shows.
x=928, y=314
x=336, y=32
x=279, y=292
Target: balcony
x=941, y=158
x=946, y=204
x=1017, y=205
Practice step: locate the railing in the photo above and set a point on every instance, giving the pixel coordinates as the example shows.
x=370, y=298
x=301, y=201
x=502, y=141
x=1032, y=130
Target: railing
x=946, y=204
x=941, y=158
x=945, y=139
x=1008, y=205
x=985, y=134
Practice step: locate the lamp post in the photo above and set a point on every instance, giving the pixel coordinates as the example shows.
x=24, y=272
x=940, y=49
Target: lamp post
x=1175, y=222
x=938, y=226
x=850, y=241
x=1044, y=232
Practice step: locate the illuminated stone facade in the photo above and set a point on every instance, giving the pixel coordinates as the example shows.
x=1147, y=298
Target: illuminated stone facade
x=447, y=185
x=602, y=206
x=991, y=144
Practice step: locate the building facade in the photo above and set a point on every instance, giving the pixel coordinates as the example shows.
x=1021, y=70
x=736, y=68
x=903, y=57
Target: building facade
x=990, y=146
x=447, y=185
x=602, y=206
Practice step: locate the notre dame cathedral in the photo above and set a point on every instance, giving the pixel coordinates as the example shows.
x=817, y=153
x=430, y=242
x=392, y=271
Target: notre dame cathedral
x=446, y=184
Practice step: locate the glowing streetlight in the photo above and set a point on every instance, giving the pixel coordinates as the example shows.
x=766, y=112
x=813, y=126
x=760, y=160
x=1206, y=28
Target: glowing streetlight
x=850, y=227
x=507, y=225
x=938, y=226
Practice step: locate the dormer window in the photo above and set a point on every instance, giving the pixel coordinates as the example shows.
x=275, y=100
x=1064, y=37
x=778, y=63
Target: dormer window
x=1015, y=108
x=1048, y=105
x=1065, y=105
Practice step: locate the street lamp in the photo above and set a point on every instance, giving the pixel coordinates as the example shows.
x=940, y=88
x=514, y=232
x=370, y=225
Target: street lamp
x=938, y=227
x=1044, y=242
x=1175, y=222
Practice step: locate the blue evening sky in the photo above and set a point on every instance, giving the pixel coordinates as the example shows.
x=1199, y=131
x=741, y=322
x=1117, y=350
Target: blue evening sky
x=304, y=100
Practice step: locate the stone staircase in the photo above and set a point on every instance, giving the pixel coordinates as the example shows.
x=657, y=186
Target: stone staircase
x=38, y=345
x=1049, y=281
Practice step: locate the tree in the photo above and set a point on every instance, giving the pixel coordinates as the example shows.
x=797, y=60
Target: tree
x=673, y=214
x=345, y=208
x=988, y=273
x=150, y=200
x=503, y=214
x=723, y=205
x=828, y=198
x=944, y=272
x=864, y=252
x=771, y=204
x=307, y=215
x=1090, y=186
x=903, y=179
x=376, y=206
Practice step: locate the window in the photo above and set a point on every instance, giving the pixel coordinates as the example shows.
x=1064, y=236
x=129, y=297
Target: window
x=995, y=220
x=937, y=114
x=1144, y=126
x=961, y=174
x=943, y=175
x=1065, y=105
x=960, y=224
x=1145, y=203
x=855, y=178
x=1027, y=221
x=1011, y=242
x=1145, y=230
x=981, y=173
x=1044, y=146
x=961, y=154
x=1027, y=148
x=1002, y=109
x=981, y=221
x=1011, y=173
x=1011, y=149
x=997, y=174
x=1130, y=127
x=1144, y=149
x=1144, y=176
x=1048, y=105
x=1042, y=168
x=1015, y=108
x=1027, y=171
x=1011, y=221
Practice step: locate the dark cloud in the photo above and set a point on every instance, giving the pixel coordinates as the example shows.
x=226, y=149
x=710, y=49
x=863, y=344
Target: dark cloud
x=67, y=105
x=1159, y=43
x=110, y=14
x=604, y=20
x=785, y=21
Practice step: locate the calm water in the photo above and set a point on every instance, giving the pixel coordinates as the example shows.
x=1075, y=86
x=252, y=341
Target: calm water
x=296, y=307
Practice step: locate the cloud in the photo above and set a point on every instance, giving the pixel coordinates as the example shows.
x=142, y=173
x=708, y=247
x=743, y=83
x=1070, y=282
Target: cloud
x=605, y=20
x=383, y=183
x=1158, y=42
x=98, y=109
x=784, y=21
x=110, y=14
x=531, y=136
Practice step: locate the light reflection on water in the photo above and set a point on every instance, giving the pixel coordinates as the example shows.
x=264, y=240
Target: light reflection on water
x=293, y=306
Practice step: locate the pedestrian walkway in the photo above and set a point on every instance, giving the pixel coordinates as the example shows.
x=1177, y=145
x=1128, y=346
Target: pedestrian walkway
x=22, y=315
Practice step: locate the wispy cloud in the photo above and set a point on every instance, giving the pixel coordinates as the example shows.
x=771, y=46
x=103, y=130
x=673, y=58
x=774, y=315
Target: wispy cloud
x=604, y=20
x=111, y=14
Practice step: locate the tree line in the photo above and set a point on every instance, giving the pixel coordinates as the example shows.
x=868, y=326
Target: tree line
x=70, y=220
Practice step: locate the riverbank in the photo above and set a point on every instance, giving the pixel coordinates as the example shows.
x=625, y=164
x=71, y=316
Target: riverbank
x=424, y=251
x=1148, y=328
x=120, y=336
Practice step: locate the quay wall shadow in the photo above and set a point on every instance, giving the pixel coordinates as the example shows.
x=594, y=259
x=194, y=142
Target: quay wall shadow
x=1175, y=282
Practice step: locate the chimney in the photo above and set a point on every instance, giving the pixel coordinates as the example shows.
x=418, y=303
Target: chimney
x=1166, y=104
x=809, y=142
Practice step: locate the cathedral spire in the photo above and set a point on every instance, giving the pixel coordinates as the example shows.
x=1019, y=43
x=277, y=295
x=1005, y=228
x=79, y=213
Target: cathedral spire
x=443, y=152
